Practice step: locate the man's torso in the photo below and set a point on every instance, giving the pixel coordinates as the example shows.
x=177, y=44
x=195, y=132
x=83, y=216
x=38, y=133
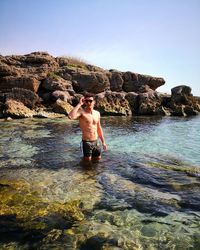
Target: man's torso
x=88, y=124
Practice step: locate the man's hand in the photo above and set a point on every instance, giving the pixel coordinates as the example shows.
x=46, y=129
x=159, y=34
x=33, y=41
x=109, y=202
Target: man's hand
x=81, y=101
x=104, y=146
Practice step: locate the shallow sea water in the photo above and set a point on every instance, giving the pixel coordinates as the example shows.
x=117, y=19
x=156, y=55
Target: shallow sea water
x=143, y=194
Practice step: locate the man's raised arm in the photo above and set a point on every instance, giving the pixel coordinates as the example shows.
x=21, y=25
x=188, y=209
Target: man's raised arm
x=76, y=112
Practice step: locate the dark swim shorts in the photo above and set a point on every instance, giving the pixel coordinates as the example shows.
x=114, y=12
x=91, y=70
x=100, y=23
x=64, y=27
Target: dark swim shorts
x=90, y=148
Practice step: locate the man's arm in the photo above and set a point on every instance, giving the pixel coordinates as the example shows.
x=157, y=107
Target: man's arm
x=100, y=134
x=76, y=112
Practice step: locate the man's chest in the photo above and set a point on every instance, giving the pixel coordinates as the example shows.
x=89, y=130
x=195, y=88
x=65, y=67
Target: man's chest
x=90, y=118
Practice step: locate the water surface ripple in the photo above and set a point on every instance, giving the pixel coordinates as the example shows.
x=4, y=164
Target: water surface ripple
x=143, y=194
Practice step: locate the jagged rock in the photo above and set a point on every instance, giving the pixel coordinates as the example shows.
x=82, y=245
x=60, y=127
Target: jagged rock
x=62, y=107
x=62, y=61
x=25, y=96
x=65, y=78
x=26, y=82
x=13, y=60
x=6, y=70
x=181, y=90
x=94, y=82
x=112, y=103
x=182, y=101
x=130, y=82
x=17, y=109
x=134, y=82
x=44, y=114
x=62, y=95
x=53, y=83
x=180, y=95
x=178, y=110
x=188, y=110
x=132, y=98
x=155, y=82
x=40, y=58
x=94, y=68
x=21, y=66
x=149, y=104
x=116, y=81
x=64, y=74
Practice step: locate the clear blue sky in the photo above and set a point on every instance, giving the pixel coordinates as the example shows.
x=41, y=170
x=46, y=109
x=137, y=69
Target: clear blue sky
x=155, y=37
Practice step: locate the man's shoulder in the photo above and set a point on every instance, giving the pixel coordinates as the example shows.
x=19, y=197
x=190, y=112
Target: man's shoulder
x=96, y=112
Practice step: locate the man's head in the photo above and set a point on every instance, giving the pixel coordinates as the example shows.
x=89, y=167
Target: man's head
x=89, y=99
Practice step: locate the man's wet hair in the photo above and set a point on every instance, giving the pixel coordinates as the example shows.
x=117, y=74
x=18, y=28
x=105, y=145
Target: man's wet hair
x=88, y=95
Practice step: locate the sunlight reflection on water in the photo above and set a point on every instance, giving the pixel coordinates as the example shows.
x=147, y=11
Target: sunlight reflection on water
x=144, y=191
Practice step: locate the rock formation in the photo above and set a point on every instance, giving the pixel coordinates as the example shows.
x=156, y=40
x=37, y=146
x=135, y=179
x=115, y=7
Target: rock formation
x=40, y=85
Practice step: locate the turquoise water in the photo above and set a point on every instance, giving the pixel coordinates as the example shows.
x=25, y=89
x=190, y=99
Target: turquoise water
x=143, y=194
x=167, y=137
x=143, y=137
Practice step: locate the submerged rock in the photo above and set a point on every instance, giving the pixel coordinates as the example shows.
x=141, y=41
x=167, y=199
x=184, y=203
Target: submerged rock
x=32, y=212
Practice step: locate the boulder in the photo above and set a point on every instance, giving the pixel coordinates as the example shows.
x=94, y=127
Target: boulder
x=6, y=70
x=131, y=83
x=135, y=82
x=40, y=58
x=149, y=104
x=155, y=82
x=190, y=110
x=181, y=90
x=63, y=72
x=53, y=83
x=94, y=82
x=62, y=107
x=182, y=101
x=113, y=103
x=132, y=98
x=180, y=95
x=26, y=82
x=62, y=95
x=116, y=81
x=62, y=61
x=17, y=109
x=25, y=96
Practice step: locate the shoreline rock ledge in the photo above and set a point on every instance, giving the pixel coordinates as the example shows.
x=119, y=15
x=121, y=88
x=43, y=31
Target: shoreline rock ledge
x=40, y=85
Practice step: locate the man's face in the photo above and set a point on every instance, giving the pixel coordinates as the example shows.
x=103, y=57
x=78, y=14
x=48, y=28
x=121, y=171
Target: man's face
x=89, y=101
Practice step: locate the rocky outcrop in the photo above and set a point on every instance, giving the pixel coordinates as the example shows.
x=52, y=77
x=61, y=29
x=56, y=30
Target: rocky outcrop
x=27, y=97
x=149, y=103
x=113, y=103
x=25, y=82
x=62, y=107
x=182, y=102
x=17, y=109
x=137, y=83
x=39, y=84
x=85, y=80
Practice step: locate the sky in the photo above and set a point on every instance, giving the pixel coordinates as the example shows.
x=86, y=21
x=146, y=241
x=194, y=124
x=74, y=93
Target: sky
x=155, y=37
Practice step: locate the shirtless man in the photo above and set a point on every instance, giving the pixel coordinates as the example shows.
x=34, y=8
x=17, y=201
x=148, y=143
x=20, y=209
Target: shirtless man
x=89, y=122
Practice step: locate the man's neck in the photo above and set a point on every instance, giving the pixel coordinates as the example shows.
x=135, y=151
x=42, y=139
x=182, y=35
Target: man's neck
x=89, y=110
